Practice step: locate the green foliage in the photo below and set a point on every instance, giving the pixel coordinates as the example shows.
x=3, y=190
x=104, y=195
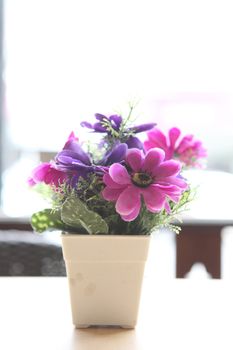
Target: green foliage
x=60, y=194
x=84, y=210
x=47, y=220
x=76, y=214
x=45, y=191
x=75, y=209
x=89, y=191
x=128, y=119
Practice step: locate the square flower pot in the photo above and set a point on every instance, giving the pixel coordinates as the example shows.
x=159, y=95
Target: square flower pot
x=105, y=274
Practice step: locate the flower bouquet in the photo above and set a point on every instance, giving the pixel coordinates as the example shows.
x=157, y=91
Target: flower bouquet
x=107, y=197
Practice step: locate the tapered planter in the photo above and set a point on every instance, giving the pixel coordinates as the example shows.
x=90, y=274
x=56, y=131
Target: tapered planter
x=105, y=274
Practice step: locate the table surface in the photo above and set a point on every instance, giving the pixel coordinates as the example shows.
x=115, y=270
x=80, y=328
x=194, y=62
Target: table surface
x=174, y=314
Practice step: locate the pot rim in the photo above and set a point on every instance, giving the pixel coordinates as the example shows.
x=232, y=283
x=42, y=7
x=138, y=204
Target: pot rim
x=102, y=235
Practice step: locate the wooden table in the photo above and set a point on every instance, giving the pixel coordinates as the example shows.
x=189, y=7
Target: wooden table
x=175, y=314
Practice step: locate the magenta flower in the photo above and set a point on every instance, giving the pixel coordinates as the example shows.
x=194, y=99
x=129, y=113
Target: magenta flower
x=186, y=149
x=71, y=138
x=144, y=176
x=46, y=173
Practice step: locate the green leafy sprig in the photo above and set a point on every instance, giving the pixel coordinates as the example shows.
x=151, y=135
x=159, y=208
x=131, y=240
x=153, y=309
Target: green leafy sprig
x=124, y=132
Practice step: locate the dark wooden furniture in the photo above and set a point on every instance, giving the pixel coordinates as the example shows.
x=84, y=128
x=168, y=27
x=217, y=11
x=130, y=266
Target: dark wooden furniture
x=200, y=241
x=15, y=224
x=23, y=253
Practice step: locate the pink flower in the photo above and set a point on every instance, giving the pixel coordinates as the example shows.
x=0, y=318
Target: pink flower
x=71, y=138
x=46, y=173
x=146, y=176
x=186, y=149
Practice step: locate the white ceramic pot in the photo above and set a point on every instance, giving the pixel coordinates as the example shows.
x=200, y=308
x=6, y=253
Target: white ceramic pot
x=105, y=274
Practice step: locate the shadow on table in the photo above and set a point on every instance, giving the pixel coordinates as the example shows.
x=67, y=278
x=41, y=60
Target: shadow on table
x=113, y=338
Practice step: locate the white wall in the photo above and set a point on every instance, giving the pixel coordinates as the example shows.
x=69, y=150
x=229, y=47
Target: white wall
x=66, y=59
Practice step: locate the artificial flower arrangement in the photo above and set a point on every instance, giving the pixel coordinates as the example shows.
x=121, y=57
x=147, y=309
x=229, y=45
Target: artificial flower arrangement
x=120, y=185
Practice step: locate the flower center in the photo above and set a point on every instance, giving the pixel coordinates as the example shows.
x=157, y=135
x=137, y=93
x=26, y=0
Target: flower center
x=142, y=179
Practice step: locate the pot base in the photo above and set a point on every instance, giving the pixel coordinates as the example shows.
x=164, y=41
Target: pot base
x=84, y=326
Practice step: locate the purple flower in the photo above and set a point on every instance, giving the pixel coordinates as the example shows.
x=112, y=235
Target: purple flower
x=103, y=124
x=115, y=155
x=75, y=160
x=50, y=173
x=142, y=127
x=148, y=177
x=112, y=124
x=71, y=138
x=134, y=142
x=47, y=173
x=186, y=149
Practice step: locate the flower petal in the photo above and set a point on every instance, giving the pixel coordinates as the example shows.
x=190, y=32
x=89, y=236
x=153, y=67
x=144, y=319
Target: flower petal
x=132, y=216
x=158, y=138
x=73, y=149
x=68, y=159
x=174, y=180
x=168, y=189
x=116, y=155
x=46, y=173
x=186, y=142
x=110, y=183
x=31, y=182
x=128, y=200
x=98, y=127
x=167, y=207
x=86, y=125
x=55, y=177
x=153, y=158
x=100, y=116
x=117, y=120
x=171, y=191
x=39, y=173
x=134, y=159
x=148, y=145
x=174, y=133
x=154, y=198
x=119, y=174
x=142, y=127
x=167, y=168
x=71, y=137
x=111, y=194
x=134, y=142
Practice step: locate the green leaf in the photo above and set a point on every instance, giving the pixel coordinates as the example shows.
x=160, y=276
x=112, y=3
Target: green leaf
x=47, y=220
x=75, y=213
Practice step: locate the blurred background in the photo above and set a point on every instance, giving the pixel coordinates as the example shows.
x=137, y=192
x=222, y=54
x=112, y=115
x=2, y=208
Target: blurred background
x=64, y=60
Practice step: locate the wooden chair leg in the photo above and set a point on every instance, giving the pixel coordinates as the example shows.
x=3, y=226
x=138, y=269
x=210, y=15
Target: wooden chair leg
x=199, y=243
